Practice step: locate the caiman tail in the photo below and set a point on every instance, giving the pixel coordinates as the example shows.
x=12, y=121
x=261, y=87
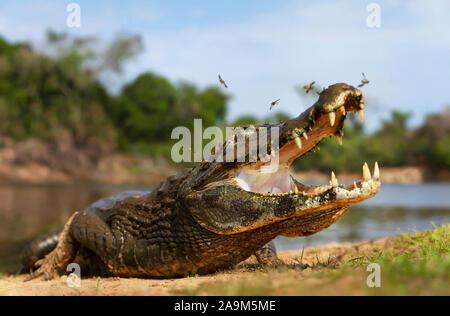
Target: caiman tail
x=39, y=248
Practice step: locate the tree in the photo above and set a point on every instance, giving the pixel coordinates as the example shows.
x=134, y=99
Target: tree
x=150, y=107
x=145, y=110
x=40, y=96
x=390, y=144
x=89, y=53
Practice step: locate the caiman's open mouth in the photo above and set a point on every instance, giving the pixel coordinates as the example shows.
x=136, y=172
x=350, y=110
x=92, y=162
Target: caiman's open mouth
x=303, y=134
x=248, y=193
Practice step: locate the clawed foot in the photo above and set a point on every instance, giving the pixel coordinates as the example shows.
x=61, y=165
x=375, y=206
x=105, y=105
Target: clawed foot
x=55, y=263
x=46, y=268
x=267, y=255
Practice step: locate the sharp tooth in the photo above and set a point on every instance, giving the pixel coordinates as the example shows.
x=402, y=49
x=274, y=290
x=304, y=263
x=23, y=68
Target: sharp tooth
x=376, y=172
x=366, y=172
x=342, y=109
x=305, y=135
x=339, y=139
x=354, y=185
x=361, y=115
x=334, y=181
x=332, y=118
x=296, y=190
x=298, y=141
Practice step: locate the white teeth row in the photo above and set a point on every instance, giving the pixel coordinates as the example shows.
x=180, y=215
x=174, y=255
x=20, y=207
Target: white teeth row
x=334, y=181
x=366, y=172
x=366, y=175
x=332, y=115
x=298, y=140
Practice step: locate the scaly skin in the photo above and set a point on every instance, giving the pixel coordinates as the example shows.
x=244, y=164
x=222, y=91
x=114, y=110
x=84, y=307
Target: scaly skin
x=205, y=219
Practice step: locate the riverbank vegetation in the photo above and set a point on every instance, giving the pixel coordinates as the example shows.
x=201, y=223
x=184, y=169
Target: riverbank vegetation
x=59, y=90
x=410, y=264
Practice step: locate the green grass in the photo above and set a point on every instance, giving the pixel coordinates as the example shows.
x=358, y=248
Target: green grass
x=414, y=264
x=411, y=264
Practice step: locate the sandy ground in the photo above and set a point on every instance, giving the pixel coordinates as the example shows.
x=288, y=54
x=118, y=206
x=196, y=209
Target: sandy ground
x=15, y=285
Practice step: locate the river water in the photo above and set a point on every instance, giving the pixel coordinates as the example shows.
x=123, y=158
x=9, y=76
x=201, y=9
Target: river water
x=27, y=211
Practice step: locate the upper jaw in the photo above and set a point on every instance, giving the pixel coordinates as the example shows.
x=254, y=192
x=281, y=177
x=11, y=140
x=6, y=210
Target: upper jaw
x=296, y=137
x=301, y=135
x=325, y=118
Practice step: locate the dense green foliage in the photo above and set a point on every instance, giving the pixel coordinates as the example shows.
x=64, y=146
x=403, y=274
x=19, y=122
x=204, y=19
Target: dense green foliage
x=150, y=107
x=39, y=96
x=44, y=94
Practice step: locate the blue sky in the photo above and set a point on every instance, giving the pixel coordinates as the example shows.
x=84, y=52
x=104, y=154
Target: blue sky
x=266, y=48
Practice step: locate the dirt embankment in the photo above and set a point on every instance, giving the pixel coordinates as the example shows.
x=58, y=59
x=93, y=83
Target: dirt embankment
x=64, y=161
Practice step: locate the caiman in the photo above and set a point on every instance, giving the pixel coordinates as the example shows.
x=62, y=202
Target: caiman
x=212, y=216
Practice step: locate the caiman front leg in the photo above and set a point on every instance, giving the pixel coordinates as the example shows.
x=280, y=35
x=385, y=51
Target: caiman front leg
x=86, y=240
x=120, y=253
x=267, y=255
x=55, y=263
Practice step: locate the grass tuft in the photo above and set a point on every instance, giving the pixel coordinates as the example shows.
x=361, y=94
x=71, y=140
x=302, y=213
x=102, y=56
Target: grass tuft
x=411, y=264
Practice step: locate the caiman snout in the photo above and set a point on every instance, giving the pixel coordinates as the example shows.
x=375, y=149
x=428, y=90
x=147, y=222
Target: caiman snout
x=273, y=196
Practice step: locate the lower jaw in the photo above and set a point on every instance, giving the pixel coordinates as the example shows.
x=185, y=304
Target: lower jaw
x=282, y=183
x=302, y=226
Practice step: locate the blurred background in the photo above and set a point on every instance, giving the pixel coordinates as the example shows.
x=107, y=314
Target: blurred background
x=90, y=93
